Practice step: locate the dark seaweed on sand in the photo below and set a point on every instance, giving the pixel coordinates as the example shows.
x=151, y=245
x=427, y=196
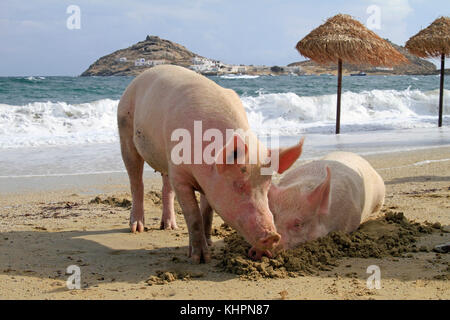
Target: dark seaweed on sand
x=112, y=201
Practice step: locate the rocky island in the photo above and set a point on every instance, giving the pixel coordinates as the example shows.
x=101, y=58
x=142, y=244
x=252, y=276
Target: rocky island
x=153, y=51
x=416, y=66
x=144, y=54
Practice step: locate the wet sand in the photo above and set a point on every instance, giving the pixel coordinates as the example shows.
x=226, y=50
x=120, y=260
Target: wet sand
x=44, y=232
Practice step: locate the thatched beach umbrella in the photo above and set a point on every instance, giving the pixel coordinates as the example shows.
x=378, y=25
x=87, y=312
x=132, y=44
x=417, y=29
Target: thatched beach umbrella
x=343, y=39
x=433, y=41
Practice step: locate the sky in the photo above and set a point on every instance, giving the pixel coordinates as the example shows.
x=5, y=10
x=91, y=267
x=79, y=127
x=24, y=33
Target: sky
x=35, y=39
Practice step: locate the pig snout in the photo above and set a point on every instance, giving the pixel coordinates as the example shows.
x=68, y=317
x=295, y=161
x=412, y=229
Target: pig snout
x=269, y=247
x=268, y=242
x=258, y=229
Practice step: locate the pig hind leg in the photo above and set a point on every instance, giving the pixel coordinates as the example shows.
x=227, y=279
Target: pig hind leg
x=134, y=164
x=168, y=220
x=135, y=168
x=207, y=215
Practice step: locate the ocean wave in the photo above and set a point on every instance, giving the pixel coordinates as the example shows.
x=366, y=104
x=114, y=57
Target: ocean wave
x=289, y=114
x=58, y=123
x=286, y=114
x=32, y=78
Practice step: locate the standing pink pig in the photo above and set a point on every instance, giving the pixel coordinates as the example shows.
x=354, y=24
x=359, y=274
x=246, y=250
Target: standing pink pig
x=169, y=98
x=336, y=193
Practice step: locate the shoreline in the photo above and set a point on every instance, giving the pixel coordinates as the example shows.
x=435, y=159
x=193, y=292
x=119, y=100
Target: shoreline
x=51, y=168
x=110, y=181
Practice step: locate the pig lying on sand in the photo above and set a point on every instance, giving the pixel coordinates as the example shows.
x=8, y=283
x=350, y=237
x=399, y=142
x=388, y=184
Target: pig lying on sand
x=336, y=193
x=166, y=98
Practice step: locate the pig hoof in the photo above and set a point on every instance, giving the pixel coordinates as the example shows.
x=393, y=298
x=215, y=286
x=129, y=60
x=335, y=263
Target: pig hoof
x=137, y=226
x=168, y=225
x=200, y=255
x=199, y=258
x=256, y=254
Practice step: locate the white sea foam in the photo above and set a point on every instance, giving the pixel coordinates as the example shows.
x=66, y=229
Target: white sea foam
x=286, y=114
x=243, y=76
x=48, y=123
x=421, y=163
x=289, y=114
x=65, y=174
x=31, y=78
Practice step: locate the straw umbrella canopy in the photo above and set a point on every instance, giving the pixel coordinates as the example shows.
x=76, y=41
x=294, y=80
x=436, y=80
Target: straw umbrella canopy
x=344, y=39
x=432, y=42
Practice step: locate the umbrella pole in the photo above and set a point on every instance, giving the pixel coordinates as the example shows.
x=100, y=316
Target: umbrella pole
x=339, y=88
x=441, y=92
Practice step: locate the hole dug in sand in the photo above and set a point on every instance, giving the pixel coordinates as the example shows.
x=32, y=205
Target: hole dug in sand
x=389, y=235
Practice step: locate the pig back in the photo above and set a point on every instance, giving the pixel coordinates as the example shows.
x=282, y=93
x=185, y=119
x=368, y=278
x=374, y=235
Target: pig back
x=374, y=188
x=169, y=98
x=347, y=196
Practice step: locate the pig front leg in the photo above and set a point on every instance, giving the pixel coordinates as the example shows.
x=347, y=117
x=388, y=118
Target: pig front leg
x=168, y=220
x=207, y=215
x=198, y=247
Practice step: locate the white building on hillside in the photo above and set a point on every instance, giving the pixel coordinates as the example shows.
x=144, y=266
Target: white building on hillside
x=293, y=69
x=139, y=62
x=204, y=65
x=384, y=68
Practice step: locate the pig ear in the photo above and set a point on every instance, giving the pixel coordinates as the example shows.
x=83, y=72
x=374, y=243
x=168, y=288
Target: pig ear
x=319, y=198
x=235, y=151
x=287, y=156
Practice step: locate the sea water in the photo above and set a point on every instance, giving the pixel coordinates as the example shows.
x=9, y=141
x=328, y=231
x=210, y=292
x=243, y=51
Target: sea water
x=56, y=126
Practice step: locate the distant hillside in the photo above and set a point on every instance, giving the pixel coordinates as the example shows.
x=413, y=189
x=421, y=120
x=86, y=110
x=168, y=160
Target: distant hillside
x=438, y=71
x=416, y=66
x=153, y=50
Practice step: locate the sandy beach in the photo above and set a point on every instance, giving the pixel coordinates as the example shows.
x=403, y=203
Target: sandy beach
x=56, y=222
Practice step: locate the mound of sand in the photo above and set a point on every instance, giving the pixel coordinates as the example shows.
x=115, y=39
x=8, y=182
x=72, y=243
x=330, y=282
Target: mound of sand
x=389, y=235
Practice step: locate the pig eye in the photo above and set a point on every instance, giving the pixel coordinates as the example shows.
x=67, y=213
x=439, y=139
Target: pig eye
x=232, y=158
x=297, y=224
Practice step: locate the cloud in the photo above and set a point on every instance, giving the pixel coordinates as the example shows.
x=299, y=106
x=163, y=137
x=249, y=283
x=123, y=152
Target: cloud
x=189, y=11
x=394, y=14
x=30, y=24
x=393, y=10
